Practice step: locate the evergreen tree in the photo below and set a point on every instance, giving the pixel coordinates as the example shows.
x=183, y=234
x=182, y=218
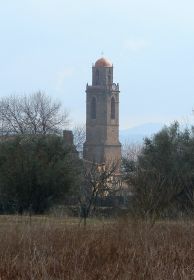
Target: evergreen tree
x=35, y=172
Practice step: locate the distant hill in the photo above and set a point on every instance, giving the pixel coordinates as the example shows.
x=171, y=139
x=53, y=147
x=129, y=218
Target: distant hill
x=136, y=134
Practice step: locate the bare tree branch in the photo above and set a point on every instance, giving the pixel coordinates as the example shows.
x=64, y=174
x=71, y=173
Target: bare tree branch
x=98, y=181
x=79, y=132
x=33, y=114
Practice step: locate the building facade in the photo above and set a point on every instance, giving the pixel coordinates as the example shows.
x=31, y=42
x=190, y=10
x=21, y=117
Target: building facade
x=102, y=115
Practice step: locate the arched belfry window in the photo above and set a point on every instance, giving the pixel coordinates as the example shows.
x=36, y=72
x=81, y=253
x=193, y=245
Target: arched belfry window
x=109, y=77
x=97, y=77
x=112, y=108
x=93, y=108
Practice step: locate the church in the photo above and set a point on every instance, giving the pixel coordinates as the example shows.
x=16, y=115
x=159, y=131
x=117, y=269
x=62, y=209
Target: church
x=102, y=115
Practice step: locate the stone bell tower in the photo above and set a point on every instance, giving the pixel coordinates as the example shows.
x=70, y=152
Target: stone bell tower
x=102, y=115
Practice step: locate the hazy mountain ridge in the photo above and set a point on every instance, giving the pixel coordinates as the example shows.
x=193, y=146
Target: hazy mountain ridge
x=136, y=134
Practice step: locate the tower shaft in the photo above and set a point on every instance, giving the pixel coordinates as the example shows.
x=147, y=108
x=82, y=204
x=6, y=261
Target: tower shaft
x=102, y=115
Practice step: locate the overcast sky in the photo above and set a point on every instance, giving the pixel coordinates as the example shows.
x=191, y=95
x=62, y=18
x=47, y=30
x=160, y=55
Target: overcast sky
x=50, y=45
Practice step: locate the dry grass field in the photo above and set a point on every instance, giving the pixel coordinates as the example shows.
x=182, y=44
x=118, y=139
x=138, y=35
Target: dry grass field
x=51, y=248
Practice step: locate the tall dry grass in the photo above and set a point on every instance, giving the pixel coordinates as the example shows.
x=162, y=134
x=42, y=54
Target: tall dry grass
x=52, y=249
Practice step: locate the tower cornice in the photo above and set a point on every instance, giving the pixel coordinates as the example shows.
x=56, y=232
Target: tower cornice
x=105, y=88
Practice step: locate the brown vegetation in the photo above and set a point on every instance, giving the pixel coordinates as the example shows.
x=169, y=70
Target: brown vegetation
x=54, y=249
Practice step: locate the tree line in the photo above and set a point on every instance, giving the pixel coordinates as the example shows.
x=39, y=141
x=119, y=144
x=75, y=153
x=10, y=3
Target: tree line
x=38, y=169
x=161, y=177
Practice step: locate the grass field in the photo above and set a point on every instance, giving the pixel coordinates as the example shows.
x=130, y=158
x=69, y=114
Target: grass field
x=58, y=248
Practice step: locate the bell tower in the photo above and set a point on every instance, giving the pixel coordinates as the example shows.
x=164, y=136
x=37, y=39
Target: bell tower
x=102, y=115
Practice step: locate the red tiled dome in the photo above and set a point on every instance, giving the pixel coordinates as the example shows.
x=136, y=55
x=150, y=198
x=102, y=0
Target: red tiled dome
x=103, y=62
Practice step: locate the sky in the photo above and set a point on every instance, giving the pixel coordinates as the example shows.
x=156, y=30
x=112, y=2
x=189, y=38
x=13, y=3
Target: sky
x=50, y=45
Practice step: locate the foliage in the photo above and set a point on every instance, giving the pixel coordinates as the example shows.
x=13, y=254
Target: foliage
x=163, y=174
x=35, y=171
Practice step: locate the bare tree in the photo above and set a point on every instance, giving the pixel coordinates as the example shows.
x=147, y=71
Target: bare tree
x=153, y=193
x=131, y=151
x=33, y=114
x=98, y=181
x=79, y=133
